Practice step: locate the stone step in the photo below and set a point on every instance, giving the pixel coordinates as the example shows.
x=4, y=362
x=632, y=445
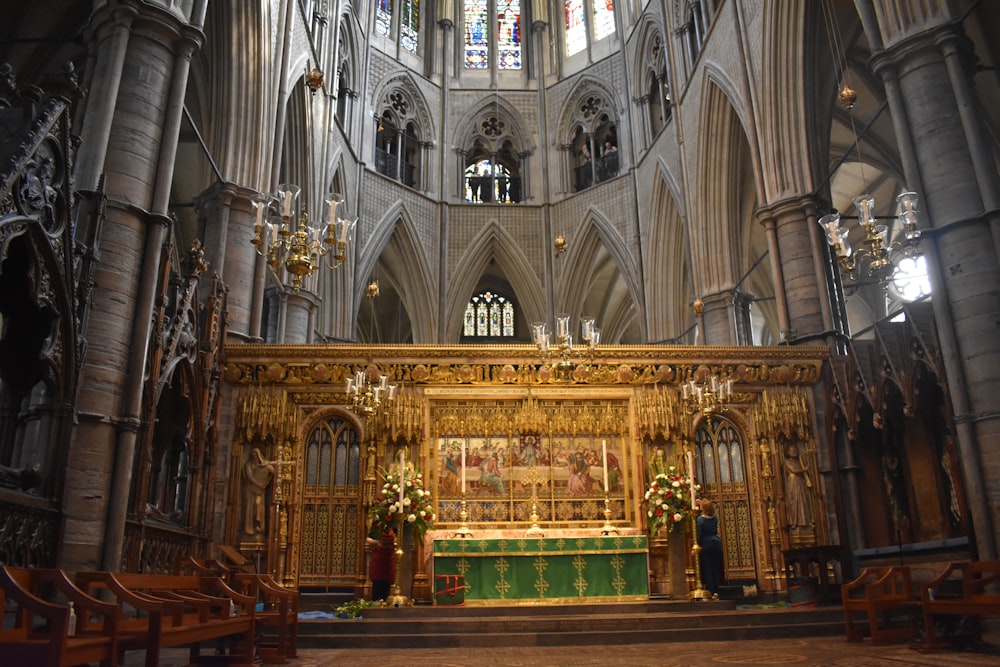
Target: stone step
x=566, y=625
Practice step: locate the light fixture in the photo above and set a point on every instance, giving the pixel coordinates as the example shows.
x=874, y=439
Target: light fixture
x=562, y=347
x=707, y=398
x=314, y=79
x=291, y=242
x=878, y=256
x=560, y=244
x=879, y=253
x=370, y=397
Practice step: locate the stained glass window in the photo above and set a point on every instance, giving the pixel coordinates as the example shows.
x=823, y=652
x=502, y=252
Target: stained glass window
x=409, y=25
x=604, y=18
x=482, y=325
x=576, y=27
x=477, y=50
x=470, y=321
x=489, y=314
x=383, y=16
x=509, y=33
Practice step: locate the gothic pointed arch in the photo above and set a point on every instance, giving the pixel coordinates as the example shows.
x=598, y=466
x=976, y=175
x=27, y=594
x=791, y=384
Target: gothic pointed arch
x=724, y=169
x=492, y=121
x=401, y=97
x=395, y=240
x=666, y=267
x=588, y=105
x=233, y=66
x=493, y=243
x=599, y=277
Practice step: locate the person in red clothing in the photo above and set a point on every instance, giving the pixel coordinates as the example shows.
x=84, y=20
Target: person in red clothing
x=381, y=561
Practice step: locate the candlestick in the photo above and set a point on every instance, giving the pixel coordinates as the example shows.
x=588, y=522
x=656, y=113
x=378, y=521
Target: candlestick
x=604, y=460
x=463, y=468
x=690, y=458
x=402, y=469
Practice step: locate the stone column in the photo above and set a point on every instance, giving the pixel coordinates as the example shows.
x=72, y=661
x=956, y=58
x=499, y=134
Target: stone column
x=797, y=288
x=138, y=165
x=719, y=327
x=929, y=89
x=228, y=210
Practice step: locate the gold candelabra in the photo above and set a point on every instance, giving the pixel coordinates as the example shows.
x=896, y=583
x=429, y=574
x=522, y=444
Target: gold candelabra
x=291, y=242
x=708, y=398
x=534, y=480
x=562, y=347
x=370, y=398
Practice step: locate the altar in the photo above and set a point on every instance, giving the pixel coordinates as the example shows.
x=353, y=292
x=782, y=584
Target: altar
x=540, y=570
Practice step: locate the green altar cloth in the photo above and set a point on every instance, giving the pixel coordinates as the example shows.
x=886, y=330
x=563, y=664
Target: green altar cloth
x=547, y=570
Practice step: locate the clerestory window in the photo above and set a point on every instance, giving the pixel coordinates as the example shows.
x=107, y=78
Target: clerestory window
x=481, y=43
x=587, y=21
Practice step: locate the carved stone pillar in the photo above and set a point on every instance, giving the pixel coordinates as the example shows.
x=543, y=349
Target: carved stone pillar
x=719, y=327
x=929, y=85
x=791, y=246
x=227, y=211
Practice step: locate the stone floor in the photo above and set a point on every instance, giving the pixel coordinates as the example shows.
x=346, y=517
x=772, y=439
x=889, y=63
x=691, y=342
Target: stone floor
x=820, y=652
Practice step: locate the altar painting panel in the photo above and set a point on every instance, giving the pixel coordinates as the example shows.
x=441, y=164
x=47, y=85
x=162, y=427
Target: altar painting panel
x=566, y=473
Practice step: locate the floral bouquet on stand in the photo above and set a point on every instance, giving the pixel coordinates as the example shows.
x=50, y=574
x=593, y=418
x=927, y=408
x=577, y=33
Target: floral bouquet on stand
x=668, y=499
x=414, y=505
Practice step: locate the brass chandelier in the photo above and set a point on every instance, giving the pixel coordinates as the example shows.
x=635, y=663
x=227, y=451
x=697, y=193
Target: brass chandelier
x=282, y=233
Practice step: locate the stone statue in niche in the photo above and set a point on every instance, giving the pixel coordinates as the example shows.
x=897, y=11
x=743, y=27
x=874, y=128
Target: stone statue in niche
x=798, y=489
x=258, y=474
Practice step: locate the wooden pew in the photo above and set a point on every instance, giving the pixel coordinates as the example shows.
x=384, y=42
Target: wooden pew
x=278, y=607
x=162, y=611
x=49, y=643
x=884, y=592
x=280, y=612
x=979, y=596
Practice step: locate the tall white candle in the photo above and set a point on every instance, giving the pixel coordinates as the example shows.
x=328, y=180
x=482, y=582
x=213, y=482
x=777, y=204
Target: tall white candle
x=463, y=468
x=604, y=459
x=287, y=208
x=690, y=458
x=402, y=469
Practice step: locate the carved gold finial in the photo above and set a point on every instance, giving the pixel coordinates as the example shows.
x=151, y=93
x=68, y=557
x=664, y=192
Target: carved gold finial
x=373, y=289
x=698, y=306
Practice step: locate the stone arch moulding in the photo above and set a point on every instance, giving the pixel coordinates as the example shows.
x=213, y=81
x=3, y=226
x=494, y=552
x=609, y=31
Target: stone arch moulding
x=397, y=227
x=420, y=113
x=468, y=129
x=492, y=242
x=569, y=116
x=648, y=30
x=594, y=232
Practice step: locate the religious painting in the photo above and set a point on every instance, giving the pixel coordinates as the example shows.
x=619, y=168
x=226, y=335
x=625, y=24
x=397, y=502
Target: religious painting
x=568, y=477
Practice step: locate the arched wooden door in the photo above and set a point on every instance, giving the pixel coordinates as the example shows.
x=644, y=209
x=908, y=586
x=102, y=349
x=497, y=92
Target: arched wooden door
x=720, y=456
x=330, y=506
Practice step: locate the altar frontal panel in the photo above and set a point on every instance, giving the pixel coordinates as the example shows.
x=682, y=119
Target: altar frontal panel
x=547, y=570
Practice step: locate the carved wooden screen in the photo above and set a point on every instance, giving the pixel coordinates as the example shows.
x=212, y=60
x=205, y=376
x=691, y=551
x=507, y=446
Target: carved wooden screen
x=331, y=506
x=721, y=471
